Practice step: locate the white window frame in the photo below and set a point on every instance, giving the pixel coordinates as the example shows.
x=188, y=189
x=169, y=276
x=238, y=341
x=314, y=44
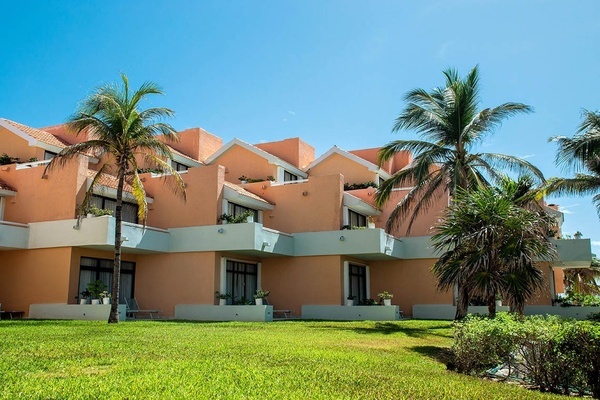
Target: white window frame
x=223, y=283
x=347, y=278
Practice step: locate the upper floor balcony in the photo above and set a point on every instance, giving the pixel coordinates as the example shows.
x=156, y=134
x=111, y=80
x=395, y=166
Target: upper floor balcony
x=13, y=236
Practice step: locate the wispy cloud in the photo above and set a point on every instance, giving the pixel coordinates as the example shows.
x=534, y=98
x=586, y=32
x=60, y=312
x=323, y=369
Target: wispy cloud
x=565, y=209
x=442, y=51
x=596, y=243
x=527, y=156
x=292, y=112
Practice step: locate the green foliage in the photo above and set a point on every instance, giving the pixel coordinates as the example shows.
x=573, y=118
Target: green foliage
x=223, y=296
x=355, y=186
x=261, y=294
x=238, y=219
x=595, y=317
x=85, y=294
x=96, y=288
x=580, y=300
x=369, y=302
x=97, y=212
x=5, y=159
x=385, y=295
x=252, y=180
x=555, y=354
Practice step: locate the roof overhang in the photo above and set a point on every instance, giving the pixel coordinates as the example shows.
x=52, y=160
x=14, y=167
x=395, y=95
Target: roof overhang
x=361, y=161
x=360, y=206
x=234, y=196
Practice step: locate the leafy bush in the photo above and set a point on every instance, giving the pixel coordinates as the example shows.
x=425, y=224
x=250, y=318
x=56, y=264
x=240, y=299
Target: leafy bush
x=556, y=354
x=578, y=299
x=355, y=186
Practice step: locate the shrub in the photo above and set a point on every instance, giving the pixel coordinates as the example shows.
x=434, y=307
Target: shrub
x=556, y=354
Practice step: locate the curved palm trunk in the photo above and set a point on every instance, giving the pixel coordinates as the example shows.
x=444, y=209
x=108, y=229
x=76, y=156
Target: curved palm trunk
x=113, y=317
x=462, y=303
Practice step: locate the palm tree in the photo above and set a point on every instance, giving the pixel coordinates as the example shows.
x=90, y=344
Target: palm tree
x=489, y=242
x=581, y=153
x=449, y=121
x=119, y=130
x=584, y=280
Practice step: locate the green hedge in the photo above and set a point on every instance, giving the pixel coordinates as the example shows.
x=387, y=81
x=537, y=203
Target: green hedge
x=558, y=355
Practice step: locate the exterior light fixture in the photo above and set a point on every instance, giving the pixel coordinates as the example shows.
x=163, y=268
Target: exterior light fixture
x=342, y=238
x=221, y=230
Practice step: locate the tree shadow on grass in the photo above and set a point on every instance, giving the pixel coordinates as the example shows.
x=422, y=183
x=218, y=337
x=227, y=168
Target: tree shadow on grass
x=391, y=328
x=437, y=353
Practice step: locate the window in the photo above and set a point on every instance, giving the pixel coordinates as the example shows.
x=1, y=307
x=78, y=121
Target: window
x=235, y=209
x=357, y=279
x=48, y=155
x=93, y=269
x=380, y=181
x=356, y=219
x=289, y=177
x=178, y=166
x=130, y=210
x=242, y=281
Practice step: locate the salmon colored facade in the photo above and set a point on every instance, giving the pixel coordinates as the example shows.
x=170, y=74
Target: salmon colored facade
x=300, y=235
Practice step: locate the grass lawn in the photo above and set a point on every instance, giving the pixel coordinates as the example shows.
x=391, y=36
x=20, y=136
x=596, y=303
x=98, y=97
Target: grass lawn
x=281, y=360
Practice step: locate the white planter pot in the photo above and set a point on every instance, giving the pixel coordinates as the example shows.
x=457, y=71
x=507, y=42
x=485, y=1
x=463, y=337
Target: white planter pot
x=83, y=301
x=222, y=302
x=259, y=302
x=498, y=303
x=371, y=225
x=387, y=302
x=349, y=302
x=95, y=301
x=250, y=218
x=106, y=300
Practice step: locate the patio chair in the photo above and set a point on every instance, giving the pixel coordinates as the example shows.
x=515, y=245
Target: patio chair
x=133, y=309
x=286, y=313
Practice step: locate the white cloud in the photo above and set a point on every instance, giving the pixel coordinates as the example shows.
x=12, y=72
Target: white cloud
x=596, y=243
x=565, y=209
x=292, y=112
x=527, y=156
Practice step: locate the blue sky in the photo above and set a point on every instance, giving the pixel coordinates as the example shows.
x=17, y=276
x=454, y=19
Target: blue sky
x=331, y=72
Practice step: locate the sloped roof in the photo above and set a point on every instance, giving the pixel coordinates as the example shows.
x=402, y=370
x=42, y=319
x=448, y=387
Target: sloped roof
x=353, y=157
x=108, y=181
x=177, y=152
x=38, y=134
x=260, y=152
x=244, y=192
x=6, y=186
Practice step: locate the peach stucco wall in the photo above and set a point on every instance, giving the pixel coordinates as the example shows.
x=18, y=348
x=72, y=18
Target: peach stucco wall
x=204, y=187
x=164, y=280
x=17, y=147
x=337, y=164
x=411, y=282
x=543, y=297
x=50, y=199
x=241, y=162
x=303, y=280
x=294, y=150
x=310, y=206
x=197, y=143
x=396, y=163
x=34, y=276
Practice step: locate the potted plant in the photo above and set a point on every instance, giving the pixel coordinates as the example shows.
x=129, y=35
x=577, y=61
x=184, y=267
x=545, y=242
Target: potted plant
x=105, y=296
x=386, y=297
x=223, y=297
x=95, y=288
x=350, y=300
x=84, y=296
x=260, y=295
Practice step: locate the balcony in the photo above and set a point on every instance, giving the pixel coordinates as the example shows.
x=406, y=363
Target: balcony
x=368, y=244
x=97, y=233
x=246, y=238
x=13, y=236
x=573, y=253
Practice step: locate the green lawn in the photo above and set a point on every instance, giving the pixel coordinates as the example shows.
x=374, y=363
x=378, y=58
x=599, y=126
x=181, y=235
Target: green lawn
x=281, y=360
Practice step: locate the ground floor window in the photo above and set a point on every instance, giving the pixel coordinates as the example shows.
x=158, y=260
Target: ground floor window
x=357, y=282
x=93, y=269
x=242, y=281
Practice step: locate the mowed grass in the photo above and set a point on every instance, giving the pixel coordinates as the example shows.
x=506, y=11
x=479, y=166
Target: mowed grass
x=280, y=360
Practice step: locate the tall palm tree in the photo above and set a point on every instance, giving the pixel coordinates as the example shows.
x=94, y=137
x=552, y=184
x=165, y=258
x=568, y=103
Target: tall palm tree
x=119, y=129
x=448, y=120
x=580, y=154
x=489, y=244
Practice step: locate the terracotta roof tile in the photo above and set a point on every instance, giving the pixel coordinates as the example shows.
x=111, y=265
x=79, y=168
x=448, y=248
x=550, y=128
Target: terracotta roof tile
x=244, y=192
x=108, y=181
x=38, y=134
x=6, y=186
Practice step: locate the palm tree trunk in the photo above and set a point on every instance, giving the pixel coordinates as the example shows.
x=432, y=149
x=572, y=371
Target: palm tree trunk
x=462, y=303
x=491, y=303
x=113, y=317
